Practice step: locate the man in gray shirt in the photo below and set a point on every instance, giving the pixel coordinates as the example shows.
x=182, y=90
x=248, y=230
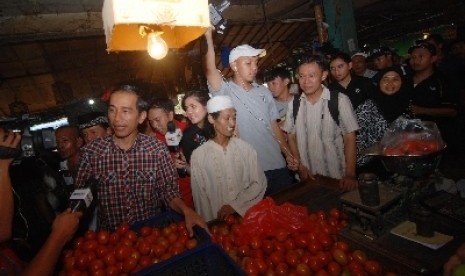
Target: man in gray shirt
x=256, y=111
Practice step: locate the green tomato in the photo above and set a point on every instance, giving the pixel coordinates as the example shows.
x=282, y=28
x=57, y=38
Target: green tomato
x=459, y=270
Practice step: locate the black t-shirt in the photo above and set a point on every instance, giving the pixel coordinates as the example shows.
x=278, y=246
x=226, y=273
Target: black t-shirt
x=435, y=91
x=359, y=89
x=192, y=138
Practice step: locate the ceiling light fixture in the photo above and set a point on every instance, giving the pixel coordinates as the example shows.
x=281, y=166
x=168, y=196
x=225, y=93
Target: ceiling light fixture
x=165, y=24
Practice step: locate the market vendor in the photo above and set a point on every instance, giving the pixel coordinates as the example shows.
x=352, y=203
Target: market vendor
x=136, y=174
x=225, y=174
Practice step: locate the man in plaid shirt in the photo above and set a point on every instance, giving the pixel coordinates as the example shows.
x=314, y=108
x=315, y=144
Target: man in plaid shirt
x=136, y=174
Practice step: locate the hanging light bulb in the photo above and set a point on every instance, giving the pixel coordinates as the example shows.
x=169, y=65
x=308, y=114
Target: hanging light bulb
x=156, y=46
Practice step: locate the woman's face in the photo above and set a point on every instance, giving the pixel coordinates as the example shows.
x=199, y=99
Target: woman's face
x=390, y=83
x=196, y=112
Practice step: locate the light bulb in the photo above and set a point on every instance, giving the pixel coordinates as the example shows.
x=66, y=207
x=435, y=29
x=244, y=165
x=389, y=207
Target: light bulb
x=156, y=46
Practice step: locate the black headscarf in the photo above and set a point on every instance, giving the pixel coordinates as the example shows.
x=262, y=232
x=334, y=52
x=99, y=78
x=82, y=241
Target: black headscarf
x=393, y=106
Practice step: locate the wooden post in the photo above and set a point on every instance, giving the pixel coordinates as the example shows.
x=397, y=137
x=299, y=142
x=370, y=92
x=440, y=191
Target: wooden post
x=319, y=24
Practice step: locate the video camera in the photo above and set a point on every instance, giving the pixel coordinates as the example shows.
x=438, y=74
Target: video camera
x=36, y=135
x=216, y=16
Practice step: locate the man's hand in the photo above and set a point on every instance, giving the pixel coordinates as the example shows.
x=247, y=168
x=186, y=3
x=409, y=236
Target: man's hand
x=305, y=173
x=192, y=219
x=65, y=225
x=8, y=140
x=348, y=183
x=180, y=161
x=292, y=163
x=225, y=211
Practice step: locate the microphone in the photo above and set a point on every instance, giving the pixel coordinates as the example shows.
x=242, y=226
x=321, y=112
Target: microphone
x=81, y=199
x=173, y=138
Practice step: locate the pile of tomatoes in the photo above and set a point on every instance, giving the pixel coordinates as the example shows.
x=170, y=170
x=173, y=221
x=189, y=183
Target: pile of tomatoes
x=413, y=147
x=314, y=252
x=125, y=251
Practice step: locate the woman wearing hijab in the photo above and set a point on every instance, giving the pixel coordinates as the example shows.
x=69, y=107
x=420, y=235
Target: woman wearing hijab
x=390, y=101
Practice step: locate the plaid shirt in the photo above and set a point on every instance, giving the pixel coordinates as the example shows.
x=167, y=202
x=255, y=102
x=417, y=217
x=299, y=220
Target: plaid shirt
x=134, y=184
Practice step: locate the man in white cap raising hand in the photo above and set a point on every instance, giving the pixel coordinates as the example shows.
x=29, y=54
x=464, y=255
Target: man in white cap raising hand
x=256, y=111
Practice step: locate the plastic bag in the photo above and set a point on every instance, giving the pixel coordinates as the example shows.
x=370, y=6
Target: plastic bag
x=411, y=137
x=264, y=218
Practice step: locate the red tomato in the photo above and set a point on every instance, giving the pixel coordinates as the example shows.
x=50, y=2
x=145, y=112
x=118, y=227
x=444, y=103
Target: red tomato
x=131, y=235
x=372, y=267
x=243, y=251
x=339, y=256
x=129, y=265
x=335, y=213
x=90, y=245
x=292, y=258
x=90, y=235
x=314, y=247
x=301, y=240
x=82, y=262
x=325, y=240
x=315, y=263
x=122, y=229
x=334, y=269
x=109, y=259
x=114, y=238
x=322, y=272
x=112, y=270
x=96, y=264
x=77, y=244
x=281, y=269
x=255, y=242
x=359, y=255
x=289, y=244
x=321, y=215
x=103, y=237
x=123, y=252
x=144, y=247
x=145, y=231
x=158, y=250
x=191, y=243
x=344, y=246
x=277, y=257
x=261, y=265
x=324, y=256
x=281, y=235
x=267, y=246
x=303, y=270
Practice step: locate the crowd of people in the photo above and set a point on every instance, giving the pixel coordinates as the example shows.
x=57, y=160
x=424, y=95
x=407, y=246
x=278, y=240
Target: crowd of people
x=242, y=140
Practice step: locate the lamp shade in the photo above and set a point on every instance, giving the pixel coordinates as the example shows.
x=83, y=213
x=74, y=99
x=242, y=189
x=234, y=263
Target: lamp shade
x=180, y=21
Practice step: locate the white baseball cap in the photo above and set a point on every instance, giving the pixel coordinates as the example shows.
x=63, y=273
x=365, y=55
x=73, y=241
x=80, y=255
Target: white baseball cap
x=218, y=103
x=245, y=51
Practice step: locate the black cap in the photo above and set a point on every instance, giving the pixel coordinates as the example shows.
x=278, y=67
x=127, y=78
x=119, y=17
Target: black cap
x=383, y=50
x=425, y=45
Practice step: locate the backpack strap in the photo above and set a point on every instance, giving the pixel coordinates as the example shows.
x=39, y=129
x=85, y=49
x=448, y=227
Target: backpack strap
x=295, y=106
x=333, y=105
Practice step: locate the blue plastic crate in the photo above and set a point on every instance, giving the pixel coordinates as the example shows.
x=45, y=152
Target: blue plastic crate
x=165, y=218
x=205, y=260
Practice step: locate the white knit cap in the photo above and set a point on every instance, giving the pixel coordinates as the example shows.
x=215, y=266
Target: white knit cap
x=360, y=54
x=219, y=103
x=245, y=51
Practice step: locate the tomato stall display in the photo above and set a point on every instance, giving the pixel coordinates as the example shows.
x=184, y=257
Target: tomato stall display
x=311, y=250
x=128, y=249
